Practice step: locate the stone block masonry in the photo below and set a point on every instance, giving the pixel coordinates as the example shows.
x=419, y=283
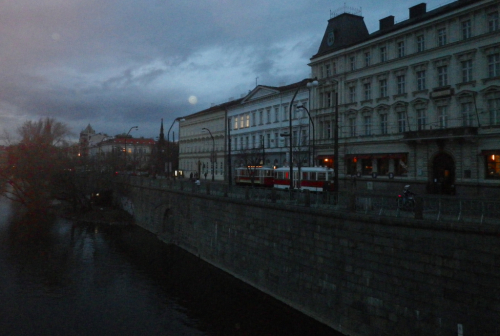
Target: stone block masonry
x=361, y=275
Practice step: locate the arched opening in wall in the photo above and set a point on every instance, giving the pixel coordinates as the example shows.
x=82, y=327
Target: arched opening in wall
x=443, y=174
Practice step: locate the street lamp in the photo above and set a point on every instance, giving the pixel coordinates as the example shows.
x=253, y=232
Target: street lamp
x=126, y=137
x=169, y=164
x=305, y=81
x=213, y=151
x=311, y=122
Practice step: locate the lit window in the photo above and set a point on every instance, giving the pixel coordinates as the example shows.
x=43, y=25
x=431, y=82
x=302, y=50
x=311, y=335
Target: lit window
x=493, y=166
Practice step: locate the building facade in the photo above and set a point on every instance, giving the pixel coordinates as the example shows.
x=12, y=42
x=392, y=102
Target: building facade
x=418, y=100
x=202, y=143
x=259, y=127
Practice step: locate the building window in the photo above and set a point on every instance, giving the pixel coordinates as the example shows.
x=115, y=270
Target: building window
x=276, y=114
x=328, y=99
x=466, y=71
x=494, y=65
x=352, y=61
x=235, y=123
x=401, y=122
x=442, y=75
x=383, y=54
x=493, y=21
x=248, y=120
x=367, y=58
x=368, y=91
x=421, y=119
x=268, y=140
x=352, y=94
x=327, y=70
x=242, y=121
x=328, y=130
x=467, y=116
x=294, y=139
x=441, y=37
x=268, y=114
x=247, y=142
x=352, y=126
x=401, y=166
x=261, y=117
x=366, y=166
x=351, y=165
x=401, y=84
x=383, y=88
x=494, y=108
x=443, y=116
x=276, y=140
x=421, y=80
x=303, y=141
x=382, y=166
x=401, y=49
x=368, y=125
x=493, y=166
x=466, y=29
x=285, y=113
x=254, y=119
x=241, y=143
x=420, y=43
x=383, y=123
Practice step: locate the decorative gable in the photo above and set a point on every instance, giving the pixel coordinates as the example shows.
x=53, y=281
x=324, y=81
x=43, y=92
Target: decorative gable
x=259, y=92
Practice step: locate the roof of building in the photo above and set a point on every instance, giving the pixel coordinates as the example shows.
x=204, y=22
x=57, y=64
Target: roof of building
x=352, y=35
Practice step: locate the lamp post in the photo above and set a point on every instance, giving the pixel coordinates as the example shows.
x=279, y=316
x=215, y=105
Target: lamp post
x=168, y=144
x=126, y=137
x=306, y=81
x=213, y=151
x=311, y=122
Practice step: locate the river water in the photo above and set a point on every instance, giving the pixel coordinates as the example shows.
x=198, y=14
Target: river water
x=62, y=278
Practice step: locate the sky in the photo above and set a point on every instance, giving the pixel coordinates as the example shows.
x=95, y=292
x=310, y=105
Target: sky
x=115, y=64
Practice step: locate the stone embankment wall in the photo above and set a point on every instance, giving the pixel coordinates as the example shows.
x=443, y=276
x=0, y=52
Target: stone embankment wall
x=361, y=275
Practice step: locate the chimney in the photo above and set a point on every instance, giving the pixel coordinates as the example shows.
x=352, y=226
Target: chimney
x=418, y=10
x=387, y=22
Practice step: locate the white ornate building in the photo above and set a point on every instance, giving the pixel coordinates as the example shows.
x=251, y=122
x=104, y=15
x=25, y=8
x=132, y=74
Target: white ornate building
x=419, y=100
x=260, y=126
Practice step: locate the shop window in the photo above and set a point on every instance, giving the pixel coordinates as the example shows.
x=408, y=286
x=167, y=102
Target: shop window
x=400, y=166
x=493, y=166
x=351, y=166
x=383, y=166
x=366, y=166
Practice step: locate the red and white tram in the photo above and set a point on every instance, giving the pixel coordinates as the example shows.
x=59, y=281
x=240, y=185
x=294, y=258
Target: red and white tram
x=263, y=176
x=311, y=178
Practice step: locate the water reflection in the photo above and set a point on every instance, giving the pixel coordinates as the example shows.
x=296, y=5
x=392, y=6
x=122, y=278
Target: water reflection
x=59, y=278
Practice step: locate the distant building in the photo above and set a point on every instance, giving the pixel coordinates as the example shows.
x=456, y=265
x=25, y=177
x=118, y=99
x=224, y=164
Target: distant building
x=419, y=100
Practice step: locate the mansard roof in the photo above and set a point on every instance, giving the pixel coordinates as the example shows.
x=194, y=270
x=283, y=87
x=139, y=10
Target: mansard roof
x=347, y=29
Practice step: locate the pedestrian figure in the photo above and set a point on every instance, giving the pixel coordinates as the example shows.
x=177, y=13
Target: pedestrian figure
x=206, y=175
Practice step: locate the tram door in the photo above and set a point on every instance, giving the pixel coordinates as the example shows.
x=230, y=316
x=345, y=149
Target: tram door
x=443, y=174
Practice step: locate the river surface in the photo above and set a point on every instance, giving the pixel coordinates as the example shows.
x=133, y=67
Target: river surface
x=62, y=278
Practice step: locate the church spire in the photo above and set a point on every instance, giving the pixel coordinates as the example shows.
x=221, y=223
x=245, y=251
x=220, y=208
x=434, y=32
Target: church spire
x=162, y=135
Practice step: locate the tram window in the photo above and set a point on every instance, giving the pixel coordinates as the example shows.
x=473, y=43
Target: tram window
x=321, y=176
x=313, y=176
x=304, y=176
